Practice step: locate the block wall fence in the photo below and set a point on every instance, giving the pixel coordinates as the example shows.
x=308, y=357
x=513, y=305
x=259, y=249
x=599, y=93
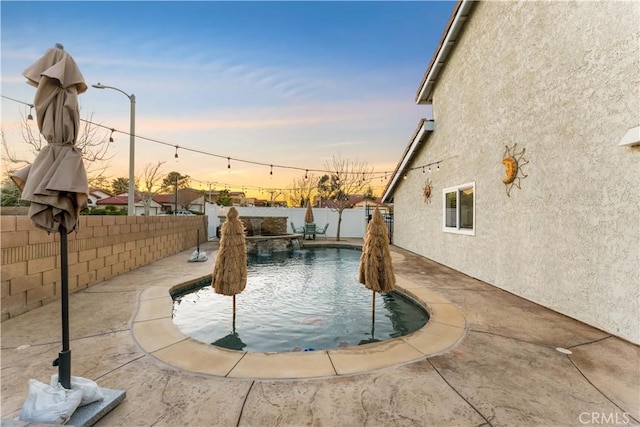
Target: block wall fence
x=102, y=247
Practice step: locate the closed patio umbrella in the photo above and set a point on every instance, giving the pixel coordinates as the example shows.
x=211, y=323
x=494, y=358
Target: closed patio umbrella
x=230, y=271
x=56, y=183
x=308, y=215
x=376, y=270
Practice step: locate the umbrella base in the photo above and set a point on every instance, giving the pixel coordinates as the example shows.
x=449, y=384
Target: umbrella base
x=86, y=416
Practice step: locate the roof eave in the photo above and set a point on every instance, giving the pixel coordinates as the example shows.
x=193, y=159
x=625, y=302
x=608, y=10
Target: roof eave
x=425, y=127
x=447, y=42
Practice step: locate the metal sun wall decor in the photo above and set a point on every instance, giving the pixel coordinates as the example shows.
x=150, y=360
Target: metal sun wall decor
x=426, y=191
x=513, y=162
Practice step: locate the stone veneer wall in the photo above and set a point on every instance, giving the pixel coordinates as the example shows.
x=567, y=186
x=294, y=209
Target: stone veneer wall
x=103, y=247
x=270, y=226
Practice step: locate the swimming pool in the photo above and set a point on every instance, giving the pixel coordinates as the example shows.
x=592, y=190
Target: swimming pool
x=307, y=299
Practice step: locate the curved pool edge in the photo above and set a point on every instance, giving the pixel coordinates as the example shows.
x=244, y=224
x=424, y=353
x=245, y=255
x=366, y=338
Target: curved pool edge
x=153, y=330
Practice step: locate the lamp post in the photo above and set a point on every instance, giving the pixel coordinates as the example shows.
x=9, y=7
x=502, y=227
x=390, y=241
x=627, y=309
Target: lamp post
x=132, y=139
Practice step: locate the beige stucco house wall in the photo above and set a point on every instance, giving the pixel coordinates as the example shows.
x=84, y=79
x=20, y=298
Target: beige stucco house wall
x=562, y=80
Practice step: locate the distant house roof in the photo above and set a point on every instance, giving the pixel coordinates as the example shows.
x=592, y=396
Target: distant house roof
x=164, y=198
x=99, y=193
x=116, y=200
x=185, y=196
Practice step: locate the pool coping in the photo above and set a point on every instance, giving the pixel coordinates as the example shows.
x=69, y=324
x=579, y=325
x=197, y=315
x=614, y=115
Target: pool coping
x=153, y=330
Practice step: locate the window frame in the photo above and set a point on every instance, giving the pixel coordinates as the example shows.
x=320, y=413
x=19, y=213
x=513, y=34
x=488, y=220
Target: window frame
x=458, y=189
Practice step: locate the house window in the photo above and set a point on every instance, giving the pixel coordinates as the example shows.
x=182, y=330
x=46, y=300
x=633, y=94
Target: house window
x=459, y=209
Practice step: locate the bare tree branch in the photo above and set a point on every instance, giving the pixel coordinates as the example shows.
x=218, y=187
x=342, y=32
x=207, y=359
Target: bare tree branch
x=301, y=190
x=348, y=178
x=92, y=142
x=152, y=176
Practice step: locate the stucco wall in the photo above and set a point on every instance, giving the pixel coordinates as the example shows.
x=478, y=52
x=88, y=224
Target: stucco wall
x=103, y=247
x=562, y=80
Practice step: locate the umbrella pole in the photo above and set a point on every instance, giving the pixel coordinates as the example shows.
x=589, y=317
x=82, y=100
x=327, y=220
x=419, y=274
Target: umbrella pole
x=234, y=306
x=373, y=311
x=233, y=322
x=64, y=357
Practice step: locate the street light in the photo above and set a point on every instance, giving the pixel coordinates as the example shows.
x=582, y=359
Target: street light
x=132, y=133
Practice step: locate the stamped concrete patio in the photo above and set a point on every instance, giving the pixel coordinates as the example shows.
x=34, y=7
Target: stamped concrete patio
x=504, y=369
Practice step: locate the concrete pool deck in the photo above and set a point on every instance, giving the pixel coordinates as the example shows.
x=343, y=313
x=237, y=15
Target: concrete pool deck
x=503, y=367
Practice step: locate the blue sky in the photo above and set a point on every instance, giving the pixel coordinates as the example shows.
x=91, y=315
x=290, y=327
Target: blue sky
x=285, y=83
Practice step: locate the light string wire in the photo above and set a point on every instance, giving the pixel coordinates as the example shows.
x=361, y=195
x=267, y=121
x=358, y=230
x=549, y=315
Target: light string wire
x=373, y=175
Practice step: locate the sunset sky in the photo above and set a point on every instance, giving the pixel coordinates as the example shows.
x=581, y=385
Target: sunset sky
x=282, y=83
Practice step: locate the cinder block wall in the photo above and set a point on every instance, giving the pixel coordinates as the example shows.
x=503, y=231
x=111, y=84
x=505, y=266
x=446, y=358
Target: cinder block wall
x=103, y=247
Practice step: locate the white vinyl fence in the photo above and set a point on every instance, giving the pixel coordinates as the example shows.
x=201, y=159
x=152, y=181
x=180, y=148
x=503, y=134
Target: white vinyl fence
x=354, y=221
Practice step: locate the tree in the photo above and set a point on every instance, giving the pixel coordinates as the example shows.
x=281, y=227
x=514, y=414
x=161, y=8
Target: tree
x=347, y=178
x=301, y=190
x=11, y=195
x=176, y=181
x=120, y=185
x=151, y=184
x=368, y=194
x=101, y=182
x=92, y=141
x=224, y=198
x=273, y=197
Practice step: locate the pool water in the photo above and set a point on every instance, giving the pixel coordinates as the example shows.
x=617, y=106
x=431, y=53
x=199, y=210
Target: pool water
x=302, y=300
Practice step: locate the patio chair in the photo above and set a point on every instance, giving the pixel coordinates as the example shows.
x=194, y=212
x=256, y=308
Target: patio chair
x=310, y=230
x=297, y=229
x=323, y=231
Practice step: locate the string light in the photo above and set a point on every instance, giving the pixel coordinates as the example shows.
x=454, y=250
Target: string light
x=307, y=170
x=423, y=169
x=30, y=116
x=176, y=155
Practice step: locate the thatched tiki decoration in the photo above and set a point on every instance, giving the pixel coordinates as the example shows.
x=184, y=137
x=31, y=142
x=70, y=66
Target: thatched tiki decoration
x=376, y=270
x=230, y=271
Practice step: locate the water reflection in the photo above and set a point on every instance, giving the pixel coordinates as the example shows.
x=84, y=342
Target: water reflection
x=305, y=299
x=231, y=341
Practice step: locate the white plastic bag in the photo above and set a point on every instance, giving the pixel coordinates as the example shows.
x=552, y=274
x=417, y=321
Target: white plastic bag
x=90, y=390
x=47, y=404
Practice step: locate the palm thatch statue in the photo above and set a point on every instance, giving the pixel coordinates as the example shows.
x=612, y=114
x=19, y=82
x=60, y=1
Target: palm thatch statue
x=230, y=271
x=376, y=270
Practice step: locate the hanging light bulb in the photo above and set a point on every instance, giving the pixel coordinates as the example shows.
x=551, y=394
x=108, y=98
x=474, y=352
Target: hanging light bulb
x=405, y=176
x=176, y=155
x=30, y=116
x=228, y=162
x=111, y=136
x=423, y=169
x=438, y=168
x=429, y=168
x=305, y=174
x=271, y=171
